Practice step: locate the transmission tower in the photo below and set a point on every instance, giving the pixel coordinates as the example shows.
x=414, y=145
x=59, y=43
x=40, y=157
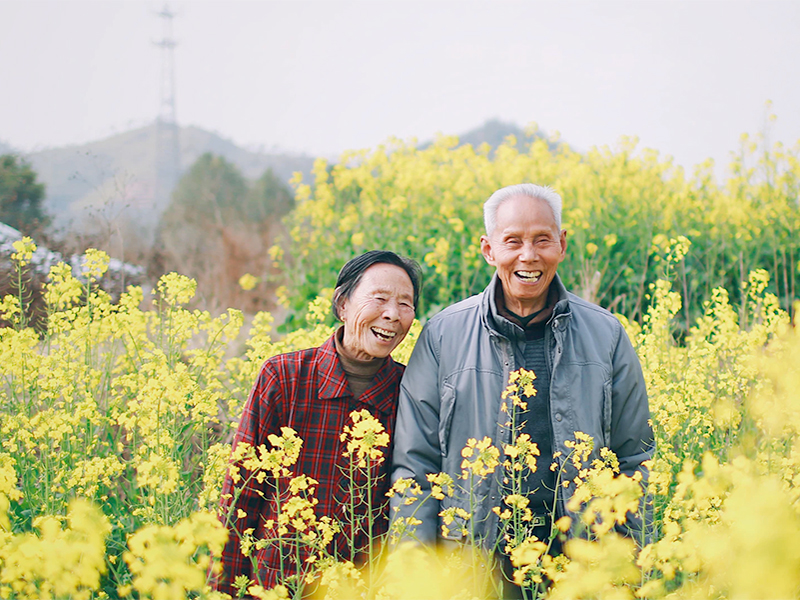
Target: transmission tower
x=167, y=132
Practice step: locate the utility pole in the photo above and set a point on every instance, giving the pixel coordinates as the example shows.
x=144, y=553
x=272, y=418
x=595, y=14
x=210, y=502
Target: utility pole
x=168, y=164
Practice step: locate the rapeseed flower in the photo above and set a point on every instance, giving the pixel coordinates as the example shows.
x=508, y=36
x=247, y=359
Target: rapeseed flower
x=365, y=438
x=23, y=251
x=480, y=458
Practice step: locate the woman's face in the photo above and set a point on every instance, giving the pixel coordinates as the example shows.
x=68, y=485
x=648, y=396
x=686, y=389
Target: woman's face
x=378, y=313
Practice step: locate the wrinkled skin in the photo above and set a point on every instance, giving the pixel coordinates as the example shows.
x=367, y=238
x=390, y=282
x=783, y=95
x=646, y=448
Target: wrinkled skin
x=378, y=313
x=526, y=248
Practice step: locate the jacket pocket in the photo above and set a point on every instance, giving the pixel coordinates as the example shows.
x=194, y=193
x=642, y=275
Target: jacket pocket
x=607, y=395
x=446, y=410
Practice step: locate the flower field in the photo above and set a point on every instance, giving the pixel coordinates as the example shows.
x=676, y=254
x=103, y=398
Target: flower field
x=622, y=205
x=115, y=421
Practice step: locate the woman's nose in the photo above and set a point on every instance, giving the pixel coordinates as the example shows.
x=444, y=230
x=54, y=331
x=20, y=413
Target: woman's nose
x=391, y=310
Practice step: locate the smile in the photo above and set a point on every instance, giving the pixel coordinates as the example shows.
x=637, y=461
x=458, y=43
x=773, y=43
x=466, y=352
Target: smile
x=528, y=276
x=383, y=334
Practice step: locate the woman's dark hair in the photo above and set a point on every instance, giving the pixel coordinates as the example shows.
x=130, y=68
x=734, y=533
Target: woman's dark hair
x=351, y=273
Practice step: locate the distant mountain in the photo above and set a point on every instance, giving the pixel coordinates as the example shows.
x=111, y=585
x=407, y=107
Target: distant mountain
x=494, y=132
x=118, y=174
x=6, y=149
x=107, y=181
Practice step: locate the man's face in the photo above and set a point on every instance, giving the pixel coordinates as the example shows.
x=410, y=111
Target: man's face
x=526, y=248
x=378, y=313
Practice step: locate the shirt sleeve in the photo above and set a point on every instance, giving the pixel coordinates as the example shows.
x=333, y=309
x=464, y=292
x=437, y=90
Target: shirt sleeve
x=242, y=506
x=416, y=442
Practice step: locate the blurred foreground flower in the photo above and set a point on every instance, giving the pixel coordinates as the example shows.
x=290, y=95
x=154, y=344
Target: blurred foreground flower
x=56, y=562
x=167, y=562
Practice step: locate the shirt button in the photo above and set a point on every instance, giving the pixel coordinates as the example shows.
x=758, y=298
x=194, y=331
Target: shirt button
x=558, y=417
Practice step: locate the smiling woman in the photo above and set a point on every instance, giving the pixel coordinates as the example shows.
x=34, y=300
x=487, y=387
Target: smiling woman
x=378, y=313
x=314, y=392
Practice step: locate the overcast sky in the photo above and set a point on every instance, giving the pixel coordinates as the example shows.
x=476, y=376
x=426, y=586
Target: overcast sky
x=321, y=77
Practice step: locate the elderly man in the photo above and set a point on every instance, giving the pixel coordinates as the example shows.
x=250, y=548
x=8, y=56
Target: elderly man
x=588, y=377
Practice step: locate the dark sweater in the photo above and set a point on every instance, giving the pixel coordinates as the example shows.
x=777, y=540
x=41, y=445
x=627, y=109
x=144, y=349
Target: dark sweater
x=540, y=485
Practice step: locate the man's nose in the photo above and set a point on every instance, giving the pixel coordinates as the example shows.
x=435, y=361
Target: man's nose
x=527, y=252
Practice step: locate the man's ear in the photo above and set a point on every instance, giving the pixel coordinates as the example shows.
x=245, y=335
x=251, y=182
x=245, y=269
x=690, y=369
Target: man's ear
x=486, y=250
x=563, y=241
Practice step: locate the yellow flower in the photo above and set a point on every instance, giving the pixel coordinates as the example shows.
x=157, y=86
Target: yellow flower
x=302, y=483
x=58, y=562
x=517, y=501
x=486, y=457
x=247, y=282
x=441, y=484
x=364, y=439
x=165, y=562
x=24, y=250
x=94, y=264
x=279, y=592
x=176, y=289
x=563, y=524
x=405, y=486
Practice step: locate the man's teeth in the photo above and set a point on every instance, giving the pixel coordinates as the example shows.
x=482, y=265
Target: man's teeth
x=384, y=333
x=532, y=275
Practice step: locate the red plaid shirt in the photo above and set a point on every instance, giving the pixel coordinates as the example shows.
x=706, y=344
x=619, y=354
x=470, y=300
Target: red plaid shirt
x=307, y=391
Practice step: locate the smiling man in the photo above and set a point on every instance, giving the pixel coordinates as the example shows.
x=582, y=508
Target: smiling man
x=588, y=378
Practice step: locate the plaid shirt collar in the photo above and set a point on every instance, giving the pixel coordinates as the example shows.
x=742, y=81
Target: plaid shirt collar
x=331, y=381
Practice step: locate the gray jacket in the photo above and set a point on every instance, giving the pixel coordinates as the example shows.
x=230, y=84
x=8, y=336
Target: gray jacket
x=452, y=386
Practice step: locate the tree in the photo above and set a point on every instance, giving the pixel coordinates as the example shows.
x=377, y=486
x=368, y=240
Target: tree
x=20, y=195
x=269, y=197
x=217, y=228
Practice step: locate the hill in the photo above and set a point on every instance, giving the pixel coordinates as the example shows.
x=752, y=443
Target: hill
x=494, y=132
x=101, y=180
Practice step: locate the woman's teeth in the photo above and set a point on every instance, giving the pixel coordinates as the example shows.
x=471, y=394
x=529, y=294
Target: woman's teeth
x=529, y=275
x=384, y=334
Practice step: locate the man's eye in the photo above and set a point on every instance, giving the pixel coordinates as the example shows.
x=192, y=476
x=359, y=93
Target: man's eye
x=380, y=299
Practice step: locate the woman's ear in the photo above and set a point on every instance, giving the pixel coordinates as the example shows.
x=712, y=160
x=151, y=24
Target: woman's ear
x=339, y=303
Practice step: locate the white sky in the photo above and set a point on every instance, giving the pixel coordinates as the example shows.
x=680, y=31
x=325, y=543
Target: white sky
x=320, y=77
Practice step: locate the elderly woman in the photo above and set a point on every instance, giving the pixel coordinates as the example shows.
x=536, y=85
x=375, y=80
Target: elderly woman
x=313, y=392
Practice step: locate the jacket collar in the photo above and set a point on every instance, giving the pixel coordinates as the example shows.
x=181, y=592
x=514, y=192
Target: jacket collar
x=498, y=324
x=331, y=381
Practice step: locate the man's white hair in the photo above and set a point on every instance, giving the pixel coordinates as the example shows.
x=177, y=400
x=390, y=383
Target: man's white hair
x=531, y=190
